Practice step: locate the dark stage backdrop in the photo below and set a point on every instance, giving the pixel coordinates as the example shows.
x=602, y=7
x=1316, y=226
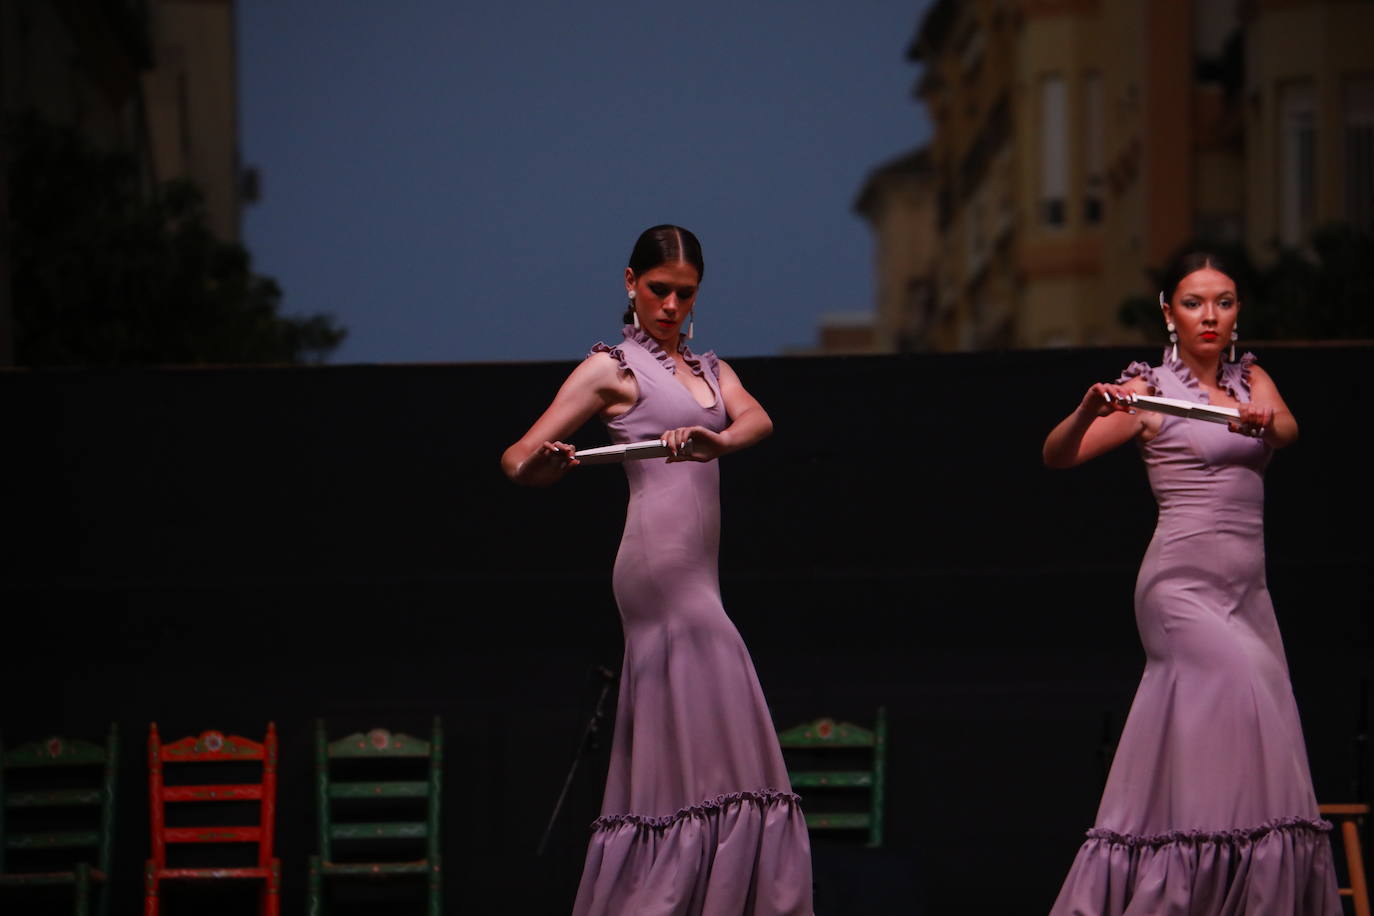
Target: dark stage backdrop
x=221, y=547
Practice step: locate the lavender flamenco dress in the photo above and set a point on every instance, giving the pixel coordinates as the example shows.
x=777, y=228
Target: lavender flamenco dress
x=1209, y=809
x=698, y=818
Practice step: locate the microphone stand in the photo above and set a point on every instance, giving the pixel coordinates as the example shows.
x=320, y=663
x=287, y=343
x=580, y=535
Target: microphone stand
x=587, y=744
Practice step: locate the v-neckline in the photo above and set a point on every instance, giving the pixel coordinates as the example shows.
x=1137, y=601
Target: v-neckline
x=669, y=363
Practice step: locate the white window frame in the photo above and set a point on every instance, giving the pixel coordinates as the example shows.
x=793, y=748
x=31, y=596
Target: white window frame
x=1297, y=161
x=1358, y=103
x=1054, y=150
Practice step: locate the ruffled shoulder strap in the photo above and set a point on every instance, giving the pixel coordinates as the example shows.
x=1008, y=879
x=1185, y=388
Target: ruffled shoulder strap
x=712, y=363
x=1142, y=370
x=1235, y=376
x=616, y=353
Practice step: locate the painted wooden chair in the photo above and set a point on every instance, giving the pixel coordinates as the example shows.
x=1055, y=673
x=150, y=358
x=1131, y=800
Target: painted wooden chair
x=183, y=756
x=372, y=805
x=1349, y=819
x=58, y=794
x=859, y=771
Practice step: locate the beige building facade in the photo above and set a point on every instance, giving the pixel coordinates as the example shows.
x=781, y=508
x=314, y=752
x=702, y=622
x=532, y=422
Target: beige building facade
x=1309, y=119
x=898, y=201
x=191, y=99
x=1078, y=143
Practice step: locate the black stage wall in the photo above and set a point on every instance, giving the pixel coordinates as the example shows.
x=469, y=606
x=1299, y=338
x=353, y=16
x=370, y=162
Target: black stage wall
x=220, y=547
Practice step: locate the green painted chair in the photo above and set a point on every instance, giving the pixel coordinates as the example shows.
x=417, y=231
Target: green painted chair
x=856, y=779
x=370, y=802
x=57, y=796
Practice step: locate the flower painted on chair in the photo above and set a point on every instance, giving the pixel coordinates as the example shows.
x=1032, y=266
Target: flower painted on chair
x=380, y=738
x=825, y=729
x=212, y=741
x=54, y=747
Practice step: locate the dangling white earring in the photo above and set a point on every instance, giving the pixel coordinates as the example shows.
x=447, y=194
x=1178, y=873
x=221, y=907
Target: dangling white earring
x=1235, y=335
x=634, y=315
x=1173, y=337
x=691, y=320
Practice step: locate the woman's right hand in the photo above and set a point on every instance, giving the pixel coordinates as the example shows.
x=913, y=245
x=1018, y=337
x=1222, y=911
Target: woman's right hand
x=1104, y=398
x=1094, y=427
x=538, y=458
x=548, y=463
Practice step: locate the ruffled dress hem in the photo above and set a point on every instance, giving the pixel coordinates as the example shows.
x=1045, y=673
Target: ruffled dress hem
x=1279, y=868
x=707, y=807
x=742, y=852
x=1231, y=835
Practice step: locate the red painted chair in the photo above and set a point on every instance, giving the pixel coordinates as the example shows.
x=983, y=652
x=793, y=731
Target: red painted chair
x=213, y=747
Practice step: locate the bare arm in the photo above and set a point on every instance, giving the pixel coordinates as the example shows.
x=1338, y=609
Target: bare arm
x=749, y=424
x=540, y=457
x=1099, y=423
x=1267, y=411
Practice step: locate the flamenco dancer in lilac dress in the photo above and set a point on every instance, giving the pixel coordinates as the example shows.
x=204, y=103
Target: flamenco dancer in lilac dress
x=698, y=818
x=1209, y=809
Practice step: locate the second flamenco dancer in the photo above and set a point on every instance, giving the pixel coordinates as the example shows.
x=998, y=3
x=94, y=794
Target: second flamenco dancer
x=1209, y=809
x=698, y=818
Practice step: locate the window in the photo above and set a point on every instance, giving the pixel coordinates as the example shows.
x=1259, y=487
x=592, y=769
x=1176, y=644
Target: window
x=1094, y=152
x=1297, y=162
x=1054, y=150
x=1359, y=152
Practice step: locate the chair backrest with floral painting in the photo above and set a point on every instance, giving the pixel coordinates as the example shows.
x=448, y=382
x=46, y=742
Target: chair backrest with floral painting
x=843, y=768
x=57, y=806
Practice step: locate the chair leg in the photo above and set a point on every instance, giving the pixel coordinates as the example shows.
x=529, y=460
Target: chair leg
x=436, y=889
x=1354, y=860
x=270, y=895
x=150, y=890
x=315, y=892
x=81, y=903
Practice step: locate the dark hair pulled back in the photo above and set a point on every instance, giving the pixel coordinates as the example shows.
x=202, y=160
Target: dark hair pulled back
x=1194, y=260
x=661, y=244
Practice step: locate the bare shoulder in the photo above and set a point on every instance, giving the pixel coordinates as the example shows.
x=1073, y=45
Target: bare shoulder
x=599, y=370
x=599, y=363
x=1261, y=384
x=603, y=374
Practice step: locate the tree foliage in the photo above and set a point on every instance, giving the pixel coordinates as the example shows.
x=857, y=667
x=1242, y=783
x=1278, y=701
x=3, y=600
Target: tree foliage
x=1324, y=293
x=109, y=272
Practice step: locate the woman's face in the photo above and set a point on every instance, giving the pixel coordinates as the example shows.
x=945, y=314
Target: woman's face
x=1203, y=311
x=663, y=297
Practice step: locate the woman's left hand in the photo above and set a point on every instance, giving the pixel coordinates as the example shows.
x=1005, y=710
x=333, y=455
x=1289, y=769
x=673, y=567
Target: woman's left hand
x=705, y=444
x=1254, y=421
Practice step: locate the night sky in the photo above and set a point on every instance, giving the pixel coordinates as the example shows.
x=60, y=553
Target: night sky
x=461, y=182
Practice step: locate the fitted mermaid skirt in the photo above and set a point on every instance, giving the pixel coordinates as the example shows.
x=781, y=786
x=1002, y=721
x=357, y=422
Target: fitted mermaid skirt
x=1209, y=808
x=698, y=817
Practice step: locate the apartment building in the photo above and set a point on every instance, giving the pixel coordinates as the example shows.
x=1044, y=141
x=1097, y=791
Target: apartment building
x=1077, y=143
x=156, y=79
x=191, y=99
